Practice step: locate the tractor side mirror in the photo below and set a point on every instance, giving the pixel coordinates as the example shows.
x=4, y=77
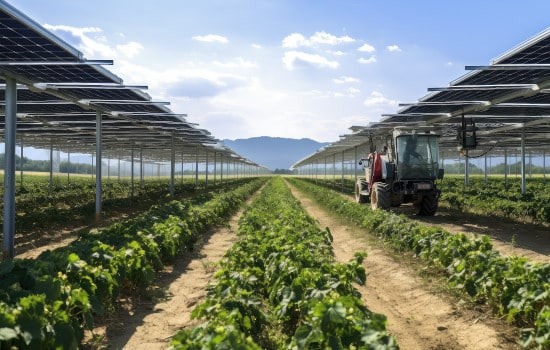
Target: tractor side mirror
x=440, y=173
x=361, y=162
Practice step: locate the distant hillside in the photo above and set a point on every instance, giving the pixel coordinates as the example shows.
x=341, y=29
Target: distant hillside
x=274, y=152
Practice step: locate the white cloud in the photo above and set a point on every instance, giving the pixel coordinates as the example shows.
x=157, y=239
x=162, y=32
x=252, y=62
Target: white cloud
x=296, y=40
x=393, y=48
x=353, y=91
x=80, y=37
x=336, y=53
x=211, y=38
x=345, y=79
x=256, y=46
x=294, y=59
x=130, y=49
x=201, y=87
x=329, y=39
x=362, y=60
x=238, y=62
x=377, y=99
x=367, y=48
x=77, y=31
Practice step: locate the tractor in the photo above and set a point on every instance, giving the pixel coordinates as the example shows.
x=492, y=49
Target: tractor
x=402, y=167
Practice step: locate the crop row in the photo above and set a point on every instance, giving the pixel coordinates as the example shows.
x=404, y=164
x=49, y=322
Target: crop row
x=514, y=287
x=48, y=302
x=76, y=201
x=279, y=287
x=494, y=199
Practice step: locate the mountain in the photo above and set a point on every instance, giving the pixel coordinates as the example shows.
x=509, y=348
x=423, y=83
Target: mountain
x=274, y=152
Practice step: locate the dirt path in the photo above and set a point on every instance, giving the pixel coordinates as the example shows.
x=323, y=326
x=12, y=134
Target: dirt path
x=418, y=316
x=510, y=238
x=150, y=324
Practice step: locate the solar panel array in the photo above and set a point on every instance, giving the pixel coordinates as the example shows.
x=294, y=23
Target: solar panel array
x=508, y=100
x=59, y=93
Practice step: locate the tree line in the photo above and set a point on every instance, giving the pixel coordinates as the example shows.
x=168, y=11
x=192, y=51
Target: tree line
x=44, y=165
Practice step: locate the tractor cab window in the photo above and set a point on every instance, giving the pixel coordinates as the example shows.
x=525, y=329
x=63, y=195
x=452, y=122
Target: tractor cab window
x=417, y=156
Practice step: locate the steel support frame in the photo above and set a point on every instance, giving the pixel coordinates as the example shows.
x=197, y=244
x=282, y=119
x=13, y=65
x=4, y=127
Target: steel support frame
x=98, y=184
x=9, y=169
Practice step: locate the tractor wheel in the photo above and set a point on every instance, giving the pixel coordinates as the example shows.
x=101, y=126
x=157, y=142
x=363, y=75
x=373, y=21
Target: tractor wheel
x=428, y=207
x=380, y=197
x=359, y=198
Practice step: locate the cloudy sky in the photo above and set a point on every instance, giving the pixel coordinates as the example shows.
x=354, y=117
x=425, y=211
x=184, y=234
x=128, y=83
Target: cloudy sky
x=289, y=68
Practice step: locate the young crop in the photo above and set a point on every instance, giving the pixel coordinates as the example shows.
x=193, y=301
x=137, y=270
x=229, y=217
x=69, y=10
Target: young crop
x=279, y=287
x=494, y=199
x=515, y=287
x=48, y=302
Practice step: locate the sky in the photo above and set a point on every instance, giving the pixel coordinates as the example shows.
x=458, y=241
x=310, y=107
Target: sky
x=289, y=68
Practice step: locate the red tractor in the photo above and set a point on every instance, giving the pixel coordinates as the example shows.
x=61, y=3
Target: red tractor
x=403, y=171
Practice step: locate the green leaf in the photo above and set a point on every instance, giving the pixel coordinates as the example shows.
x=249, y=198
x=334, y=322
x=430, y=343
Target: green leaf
x=72, y=258
x=49, y=287
x=65, y=336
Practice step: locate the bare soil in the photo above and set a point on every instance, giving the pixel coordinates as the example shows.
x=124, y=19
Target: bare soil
x=419, y=315
x=149, y=323
x=510, y=237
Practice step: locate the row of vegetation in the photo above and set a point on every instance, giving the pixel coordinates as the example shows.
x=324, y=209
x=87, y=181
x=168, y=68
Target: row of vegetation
x=515, y=288
x=492, y=198
x=513, y=169
x=48, y=302
x=280, y=288
x=39, y=207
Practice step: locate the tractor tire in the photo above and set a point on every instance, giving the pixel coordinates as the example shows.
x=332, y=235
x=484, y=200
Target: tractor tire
x=429, y=204
x=380, y=197
x=360, y=198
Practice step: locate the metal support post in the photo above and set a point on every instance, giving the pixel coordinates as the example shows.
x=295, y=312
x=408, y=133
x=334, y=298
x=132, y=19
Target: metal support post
x=343, y=171
x=68, y=167
x=50, y=188
x=141, y=167
x=206, y=170
x=466, y=170
x=21, y=163
x=355, y=164
x=98, y=187
x=523, y=161
x=172, y=167
x=485, y=168
x=132, y=173
x=215, y=166
x=506, y=169
x=9, y=168
x=197, y=169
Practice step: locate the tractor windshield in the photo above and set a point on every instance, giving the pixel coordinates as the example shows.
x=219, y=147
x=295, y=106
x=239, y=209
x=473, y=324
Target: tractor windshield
x=417, y=156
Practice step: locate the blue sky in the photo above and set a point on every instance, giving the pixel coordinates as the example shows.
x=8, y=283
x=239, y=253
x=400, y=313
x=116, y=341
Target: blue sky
x=289, y=68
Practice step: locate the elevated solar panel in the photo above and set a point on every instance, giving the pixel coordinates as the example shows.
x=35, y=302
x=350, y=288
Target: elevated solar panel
x=509, y=101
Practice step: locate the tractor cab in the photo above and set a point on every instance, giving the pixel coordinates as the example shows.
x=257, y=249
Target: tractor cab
x=417, y=156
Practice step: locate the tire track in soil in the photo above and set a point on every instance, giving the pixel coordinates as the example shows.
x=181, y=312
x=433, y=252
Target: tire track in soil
x=147, y=325
x=418, y=317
